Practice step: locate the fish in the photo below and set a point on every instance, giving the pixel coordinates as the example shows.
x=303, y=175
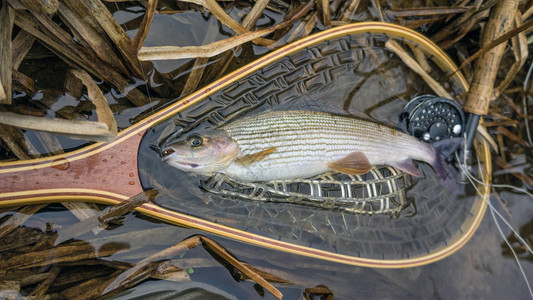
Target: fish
x=280, y=145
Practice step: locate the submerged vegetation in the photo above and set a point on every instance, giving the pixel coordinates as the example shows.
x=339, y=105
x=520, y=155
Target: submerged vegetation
x=87, y=69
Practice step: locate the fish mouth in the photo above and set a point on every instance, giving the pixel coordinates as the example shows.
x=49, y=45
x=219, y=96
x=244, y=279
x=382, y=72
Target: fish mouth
x=168, y=158
x=175, y=162
x=188, y=164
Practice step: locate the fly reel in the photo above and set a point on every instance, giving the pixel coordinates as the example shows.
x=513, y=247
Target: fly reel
x=431, y=118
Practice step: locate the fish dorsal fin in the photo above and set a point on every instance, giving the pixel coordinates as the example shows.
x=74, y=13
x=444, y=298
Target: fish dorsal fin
x=406, y=165
x=254, y=157
x=355, y=163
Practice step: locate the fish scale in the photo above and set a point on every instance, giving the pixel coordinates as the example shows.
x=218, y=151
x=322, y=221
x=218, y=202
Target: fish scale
x=306, y=142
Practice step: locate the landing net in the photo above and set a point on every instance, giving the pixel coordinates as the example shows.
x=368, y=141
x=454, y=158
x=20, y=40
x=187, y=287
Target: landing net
x=380, y=191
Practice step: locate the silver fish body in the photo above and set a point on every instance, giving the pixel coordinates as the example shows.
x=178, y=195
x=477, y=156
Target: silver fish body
x=307, y=142
x=300, y=144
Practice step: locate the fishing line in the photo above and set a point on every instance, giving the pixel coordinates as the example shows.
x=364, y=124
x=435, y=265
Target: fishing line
x=512, y=187
x=472, y=179
x=514, y=253
x=493, y=211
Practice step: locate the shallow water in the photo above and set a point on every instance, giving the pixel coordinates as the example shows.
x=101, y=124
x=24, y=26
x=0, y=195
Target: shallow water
x=481, y=269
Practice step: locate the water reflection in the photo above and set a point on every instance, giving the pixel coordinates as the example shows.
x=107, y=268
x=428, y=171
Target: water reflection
x=526, y=233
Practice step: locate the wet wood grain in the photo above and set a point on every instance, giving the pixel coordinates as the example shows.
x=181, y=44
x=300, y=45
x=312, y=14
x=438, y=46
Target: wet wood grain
x=112, y=170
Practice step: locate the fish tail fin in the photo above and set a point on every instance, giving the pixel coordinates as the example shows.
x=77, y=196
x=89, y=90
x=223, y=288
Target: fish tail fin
x=443, y=150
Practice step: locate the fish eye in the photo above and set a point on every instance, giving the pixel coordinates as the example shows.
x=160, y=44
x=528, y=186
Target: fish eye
x=195, y=141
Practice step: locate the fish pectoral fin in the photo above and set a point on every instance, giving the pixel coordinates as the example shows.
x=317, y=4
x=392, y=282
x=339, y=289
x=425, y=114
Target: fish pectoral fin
x=407, y=166
x=254, y=157
x=355, y=163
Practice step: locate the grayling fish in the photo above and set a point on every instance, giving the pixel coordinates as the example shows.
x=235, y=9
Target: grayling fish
x=299, y=144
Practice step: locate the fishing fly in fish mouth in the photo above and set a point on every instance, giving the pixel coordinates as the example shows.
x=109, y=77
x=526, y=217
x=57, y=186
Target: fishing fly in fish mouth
x=281, y=145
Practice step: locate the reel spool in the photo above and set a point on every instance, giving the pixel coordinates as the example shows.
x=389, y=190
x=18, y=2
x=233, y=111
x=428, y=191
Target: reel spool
x=431, y=118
